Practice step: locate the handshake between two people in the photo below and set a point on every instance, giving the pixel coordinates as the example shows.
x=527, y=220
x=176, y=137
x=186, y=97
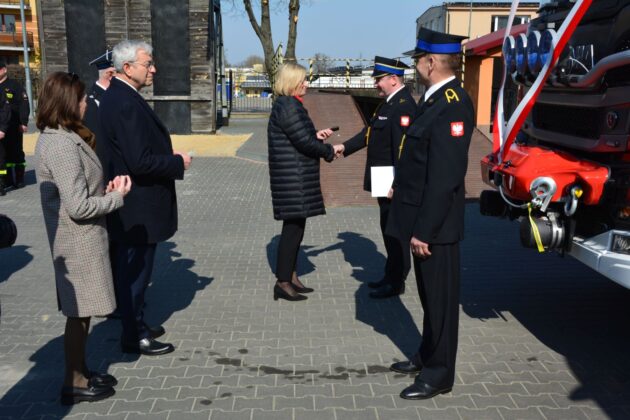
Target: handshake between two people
x=327, y=132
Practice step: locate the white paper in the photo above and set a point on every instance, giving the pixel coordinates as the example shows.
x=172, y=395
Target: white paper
x=382, y=178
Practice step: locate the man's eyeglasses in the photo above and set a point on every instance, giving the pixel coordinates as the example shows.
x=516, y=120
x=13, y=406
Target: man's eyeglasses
x=146, y=65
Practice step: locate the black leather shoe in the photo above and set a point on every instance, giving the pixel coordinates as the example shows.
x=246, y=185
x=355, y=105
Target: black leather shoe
x=387, y=291
x=377, y=284
x=71, y=395
x=279, y=293
x=155, y=332
x=148, y=347
x=405, y=367
x=101, y=380
x=421, y=391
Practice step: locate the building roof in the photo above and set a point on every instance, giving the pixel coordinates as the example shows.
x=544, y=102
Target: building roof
x=481, y=45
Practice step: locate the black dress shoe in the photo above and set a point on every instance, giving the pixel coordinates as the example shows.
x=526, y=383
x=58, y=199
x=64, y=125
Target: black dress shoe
x=421, y=391
x=72, y=395
x=148, y=347
x=155, y=332
x=280, y=293
x=387, y=291
x=377, y=284
x=405, y=367
x=101, y=380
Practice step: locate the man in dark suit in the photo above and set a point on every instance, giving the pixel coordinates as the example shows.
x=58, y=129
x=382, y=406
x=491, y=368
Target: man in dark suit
x=428, y=207
x=106, y=71
x=382, y=138
x=136, y=143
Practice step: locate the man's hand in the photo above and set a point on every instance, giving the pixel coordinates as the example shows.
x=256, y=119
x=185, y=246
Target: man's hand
x=339, y=149
x=419, y=248
x=390, y=193
x=2, y=135
x=24, y=128
x=187, y=159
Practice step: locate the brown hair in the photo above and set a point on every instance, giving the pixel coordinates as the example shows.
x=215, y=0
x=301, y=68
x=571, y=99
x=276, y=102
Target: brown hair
x=58, y=105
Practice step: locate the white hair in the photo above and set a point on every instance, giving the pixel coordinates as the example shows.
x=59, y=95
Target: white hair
x=126, y=52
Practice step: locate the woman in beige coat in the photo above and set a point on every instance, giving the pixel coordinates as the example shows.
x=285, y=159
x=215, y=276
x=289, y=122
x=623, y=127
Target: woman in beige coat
x=74, y=203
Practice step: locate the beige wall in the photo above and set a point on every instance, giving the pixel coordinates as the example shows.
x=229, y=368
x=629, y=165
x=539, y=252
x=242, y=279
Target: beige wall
x=457, y=19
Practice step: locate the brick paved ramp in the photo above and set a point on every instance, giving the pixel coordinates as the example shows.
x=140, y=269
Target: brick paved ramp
x=541, y=337
x=342, y=180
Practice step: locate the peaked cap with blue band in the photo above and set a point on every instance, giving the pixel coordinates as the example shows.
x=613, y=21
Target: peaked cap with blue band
x=432, y=42
x=384, y=66
x=103, y=62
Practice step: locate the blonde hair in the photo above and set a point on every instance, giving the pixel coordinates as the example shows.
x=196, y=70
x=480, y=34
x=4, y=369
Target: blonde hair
x=288, y=78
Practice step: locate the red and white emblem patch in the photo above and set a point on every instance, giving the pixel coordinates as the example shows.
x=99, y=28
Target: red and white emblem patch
x=404, y=121
x=457, y=129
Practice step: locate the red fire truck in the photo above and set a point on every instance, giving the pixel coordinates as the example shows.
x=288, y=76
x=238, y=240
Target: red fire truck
x=562, y=166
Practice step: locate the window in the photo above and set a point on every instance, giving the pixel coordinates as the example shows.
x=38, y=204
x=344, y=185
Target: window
x=500, y=22
x=8, y=23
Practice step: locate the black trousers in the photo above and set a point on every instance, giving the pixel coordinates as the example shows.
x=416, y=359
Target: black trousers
x=288, y=248
x=398, y=261
x=438, y=286
x=132, y=266
x=3, y=162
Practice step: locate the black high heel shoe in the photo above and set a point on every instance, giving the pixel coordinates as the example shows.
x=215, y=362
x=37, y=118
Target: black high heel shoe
x=280, y=293
x=302, y=289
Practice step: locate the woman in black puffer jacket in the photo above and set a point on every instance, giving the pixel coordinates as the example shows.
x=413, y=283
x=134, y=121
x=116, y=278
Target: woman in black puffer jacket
x=294, y=152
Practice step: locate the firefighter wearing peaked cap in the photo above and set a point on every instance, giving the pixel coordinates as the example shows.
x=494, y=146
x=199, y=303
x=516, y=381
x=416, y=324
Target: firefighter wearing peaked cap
x=428, y=207
x=15, y=95
x=382, y=139
x=106, y=71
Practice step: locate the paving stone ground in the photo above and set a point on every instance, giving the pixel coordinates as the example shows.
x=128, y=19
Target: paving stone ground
x=541, y=337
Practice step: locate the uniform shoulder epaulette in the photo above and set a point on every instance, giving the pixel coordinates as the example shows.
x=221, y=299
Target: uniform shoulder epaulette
x=451, y=95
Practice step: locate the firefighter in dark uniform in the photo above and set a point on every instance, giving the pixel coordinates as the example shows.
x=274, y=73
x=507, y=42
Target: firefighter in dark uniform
x=5, y=118
x=382, y=138
x=428, y=207
x=20, y=110
x=106, y=71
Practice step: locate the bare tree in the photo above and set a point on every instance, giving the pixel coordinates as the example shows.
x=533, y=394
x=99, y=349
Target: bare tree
x=251, y=60
x=263, y=30
x=321, y=63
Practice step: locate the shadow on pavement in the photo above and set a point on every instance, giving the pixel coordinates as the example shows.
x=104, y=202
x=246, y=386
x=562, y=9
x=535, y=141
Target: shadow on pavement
x=571, y=309
x=387, y=316
x=303, y=266
x=13, y=260
x=173, y=288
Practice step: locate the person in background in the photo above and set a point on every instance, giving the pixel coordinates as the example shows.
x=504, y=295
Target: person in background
x=295, y=148
x=18, y=125
x=106, y=71
x=75, y=201
x=5, y=119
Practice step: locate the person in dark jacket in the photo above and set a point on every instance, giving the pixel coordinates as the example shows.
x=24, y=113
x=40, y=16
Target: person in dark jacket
x=295, y=148
x=13, y=139
x=135, y=142
x=5, y=119
x=106, y=71
x=382, y=138
x=428, y=207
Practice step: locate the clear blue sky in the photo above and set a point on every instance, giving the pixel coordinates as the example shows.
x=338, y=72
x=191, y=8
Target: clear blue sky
x=337, y=28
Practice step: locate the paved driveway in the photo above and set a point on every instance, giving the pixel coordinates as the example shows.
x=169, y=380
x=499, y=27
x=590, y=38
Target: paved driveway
x=540, y=336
